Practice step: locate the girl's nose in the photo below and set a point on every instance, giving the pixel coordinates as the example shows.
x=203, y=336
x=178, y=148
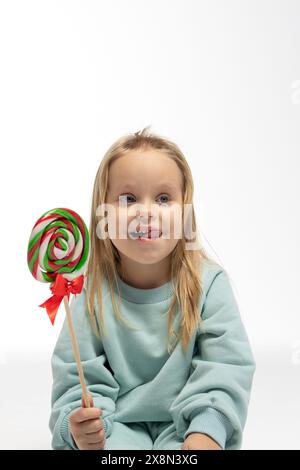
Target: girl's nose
x=144, y=215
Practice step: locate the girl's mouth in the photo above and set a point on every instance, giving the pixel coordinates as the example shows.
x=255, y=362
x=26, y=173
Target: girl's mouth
x=147, y=236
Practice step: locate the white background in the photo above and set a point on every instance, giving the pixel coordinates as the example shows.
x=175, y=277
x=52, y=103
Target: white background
x=221, y=79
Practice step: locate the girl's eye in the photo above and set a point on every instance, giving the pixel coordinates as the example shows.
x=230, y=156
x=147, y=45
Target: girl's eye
x=165, y=195
x=124, y=197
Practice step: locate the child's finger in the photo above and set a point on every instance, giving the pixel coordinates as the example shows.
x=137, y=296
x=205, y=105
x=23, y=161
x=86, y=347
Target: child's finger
x=85, y=414
x=90, y=397
x=93, y=425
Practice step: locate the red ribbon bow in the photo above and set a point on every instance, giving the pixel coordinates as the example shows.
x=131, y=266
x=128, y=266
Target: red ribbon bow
x=60, y=288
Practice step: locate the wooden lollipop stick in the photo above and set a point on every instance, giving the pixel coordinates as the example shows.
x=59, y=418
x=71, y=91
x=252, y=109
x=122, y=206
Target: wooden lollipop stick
x=76, y=353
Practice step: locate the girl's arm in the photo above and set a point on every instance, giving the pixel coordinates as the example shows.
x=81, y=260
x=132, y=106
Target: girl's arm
x=66, y=389
x=215, y=399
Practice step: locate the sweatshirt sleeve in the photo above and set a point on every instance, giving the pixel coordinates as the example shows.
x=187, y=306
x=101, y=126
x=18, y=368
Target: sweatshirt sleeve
x=214, y=401
x=66, y=388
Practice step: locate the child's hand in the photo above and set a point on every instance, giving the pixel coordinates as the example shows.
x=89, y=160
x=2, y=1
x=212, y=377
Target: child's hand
x=86, y=427
x=199, y=441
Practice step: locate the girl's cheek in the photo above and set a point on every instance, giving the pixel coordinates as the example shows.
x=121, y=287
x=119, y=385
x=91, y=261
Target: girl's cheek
x=124, y=224
x=172, y=223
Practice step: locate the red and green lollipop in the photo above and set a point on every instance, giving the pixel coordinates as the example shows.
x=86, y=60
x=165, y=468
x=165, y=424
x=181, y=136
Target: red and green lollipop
x=58, y=252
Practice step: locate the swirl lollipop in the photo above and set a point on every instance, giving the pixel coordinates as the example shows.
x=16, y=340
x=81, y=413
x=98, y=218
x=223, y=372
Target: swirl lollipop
x=59, y=243
x=58, y=252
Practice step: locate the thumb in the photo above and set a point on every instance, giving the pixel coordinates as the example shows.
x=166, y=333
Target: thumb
x=91, y=401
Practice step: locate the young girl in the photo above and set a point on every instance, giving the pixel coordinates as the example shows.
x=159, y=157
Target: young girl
x=166, y=357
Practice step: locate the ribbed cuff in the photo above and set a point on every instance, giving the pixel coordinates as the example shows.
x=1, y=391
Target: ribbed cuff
x=67, y=435
x=213, y=423
x=107, y=426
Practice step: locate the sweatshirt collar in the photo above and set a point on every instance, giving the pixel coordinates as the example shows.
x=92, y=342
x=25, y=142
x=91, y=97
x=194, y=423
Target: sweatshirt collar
x=145, y=296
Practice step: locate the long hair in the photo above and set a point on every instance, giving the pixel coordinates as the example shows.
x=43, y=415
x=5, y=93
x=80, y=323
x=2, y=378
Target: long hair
x=104, y=258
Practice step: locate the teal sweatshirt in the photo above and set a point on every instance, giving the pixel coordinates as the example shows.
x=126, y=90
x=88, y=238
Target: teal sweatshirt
x=133, y=378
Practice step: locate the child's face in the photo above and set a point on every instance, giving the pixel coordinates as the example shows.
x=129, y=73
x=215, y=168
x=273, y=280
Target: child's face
x=151, y=184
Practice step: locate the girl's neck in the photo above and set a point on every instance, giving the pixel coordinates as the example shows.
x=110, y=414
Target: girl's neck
x=145, y=276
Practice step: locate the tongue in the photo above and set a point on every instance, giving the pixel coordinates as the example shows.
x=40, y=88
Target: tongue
x=153, y=235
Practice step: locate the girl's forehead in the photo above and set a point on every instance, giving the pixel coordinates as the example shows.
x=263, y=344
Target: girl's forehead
x=131, y=171
x=140, y=160
x=155, y=184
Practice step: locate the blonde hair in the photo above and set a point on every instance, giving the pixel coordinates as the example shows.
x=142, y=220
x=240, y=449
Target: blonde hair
x=185, y=264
